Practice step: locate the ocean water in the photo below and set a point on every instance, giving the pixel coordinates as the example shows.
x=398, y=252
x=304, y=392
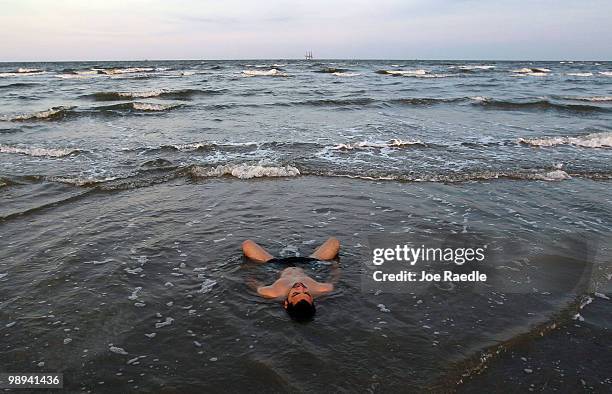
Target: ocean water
x=126, y=189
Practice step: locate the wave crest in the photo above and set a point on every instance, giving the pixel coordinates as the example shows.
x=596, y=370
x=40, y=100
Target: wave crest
x=269, y=73
x=245, y=171
x=138, y=106
x=39, y=152
x=540, y=104
x=594, y=140
x=345, y=74
x=183, y=94
x=532, y=71
x=469, y=67
x=54, y=113
x=394, y=143
x=127, y=70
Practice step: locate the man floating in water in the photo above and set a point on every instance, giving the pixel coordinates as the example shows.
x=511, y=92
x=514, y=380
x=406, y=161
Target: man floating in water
x=298, y=288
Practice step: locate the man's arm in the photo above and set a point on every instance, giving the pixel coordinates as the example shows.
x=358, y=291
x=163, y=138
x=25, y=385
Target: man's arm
x=267, y=291
x=264, y=291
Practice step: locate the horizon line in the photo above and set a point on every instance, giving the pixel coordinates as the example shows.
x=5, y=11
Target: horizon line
x=308, y=60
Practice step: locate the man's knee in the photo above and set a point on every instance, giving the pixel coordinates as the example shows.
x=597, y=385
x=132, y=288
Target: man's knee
x=247, y=245
x=333, y=241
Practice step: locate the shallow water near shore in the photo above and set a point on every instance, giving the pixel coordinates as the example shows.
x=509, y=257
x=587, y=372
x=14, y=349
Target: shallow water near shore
x=122, y=214
x=129, y=261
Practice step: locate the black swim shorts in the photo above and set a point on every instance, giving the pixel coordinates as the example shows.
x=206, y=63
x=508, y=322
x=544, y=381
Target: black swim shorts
x=292, y=261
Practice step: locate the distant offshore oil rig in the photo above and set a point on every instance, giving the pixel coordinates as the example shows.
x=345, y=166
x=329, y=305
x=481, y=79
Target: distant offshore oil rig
x=308, y=55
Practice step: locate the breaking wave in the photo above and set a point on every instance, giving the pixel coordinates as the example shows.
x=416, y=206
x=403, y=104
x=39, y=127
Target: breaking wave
x=183, y=94
x=22, y=72
x=554, y=175
x=541, y=104
x=138, y=107
x=127, y=70
x=54, y=113
x=402, y=72
x=469, y=67
x=346, y=74
x=25, y=70
x=594, y=140
x=580, y=74
x=593, y=99
x=460, y=177
x=267, y=73
x=244, y=171
x=394, y=143
x=412, y=73
x=161, y=171
x=533, y=71
x=39, y=152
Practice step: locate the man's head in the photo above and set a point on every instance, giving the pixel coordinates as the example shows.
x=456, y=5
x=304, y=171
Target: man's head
x=299, y=303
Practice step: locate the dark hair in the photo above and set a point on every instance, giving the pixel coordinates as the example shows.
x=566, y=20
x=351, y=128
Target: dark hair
x=302, y=311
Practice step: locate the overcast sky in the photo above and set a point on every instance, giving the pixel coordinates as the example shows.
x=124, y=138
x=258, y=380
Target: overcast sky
x=37, y=30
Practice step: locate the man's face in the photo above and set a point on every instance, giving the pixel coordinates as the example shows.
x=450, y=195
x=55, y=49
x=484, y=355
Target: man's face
x=299, y=292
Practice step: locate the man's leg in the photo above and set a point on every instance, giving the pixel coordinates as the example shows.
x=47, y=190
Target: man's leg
x=255, y=252
x=328, y=250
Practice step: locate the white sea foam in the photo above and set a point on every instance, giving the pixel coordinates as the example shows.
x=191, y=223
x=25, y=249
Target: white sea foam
x=594, y=98
x=153, y=107
x=555, y=175
x=28, y=70
x=23, y=72
x=595, y=140
x=117, y=350
x=134, y=294
x=70, y=76
x=270, y=73
x=245, y=171
x=580, y=74
x=39, y=152
x=345, y=74
x=606, y=73
x=410, y=73
x=192, y=146
x=128, y=70
x=533, y=71
x=166, y=322
x=207, y=286
x=394, y=143
x=474, y=67
x=80, y=74
x=87, y=72
x=144, y=94
x=41, y=114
